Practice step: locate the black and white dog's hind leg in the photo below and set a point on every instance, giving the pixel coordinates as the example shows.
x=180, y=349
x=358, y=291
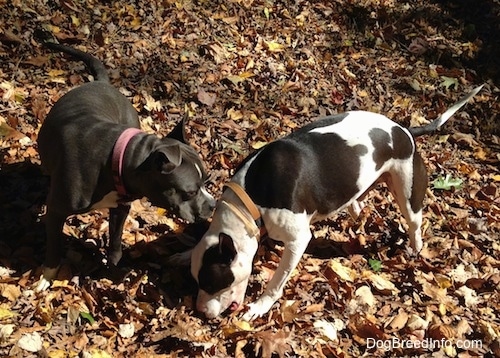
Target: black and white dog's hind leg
x=407, y=182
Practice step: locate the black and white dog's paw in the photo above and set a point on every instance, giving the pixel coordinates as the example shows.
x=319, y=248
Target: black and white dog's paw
x=258, y=308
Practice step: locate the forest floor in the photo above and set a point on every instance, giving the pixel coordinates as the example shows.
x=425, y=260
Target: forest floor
x=248, y=72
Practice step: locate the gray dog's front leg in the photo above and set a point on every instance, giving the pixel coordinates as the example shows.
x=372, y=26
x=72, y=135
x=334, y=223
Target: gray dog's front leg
x=54, y=223
x=117, y=217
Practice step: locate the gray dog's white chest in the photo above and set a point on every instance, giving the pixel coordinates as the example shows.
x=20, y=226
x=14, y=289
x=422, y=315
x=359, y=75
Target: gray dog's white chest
x=110, y=200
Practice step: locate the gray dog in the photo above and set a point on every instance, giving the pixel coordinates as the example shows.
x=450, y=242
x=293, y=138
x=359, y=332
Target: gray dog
x=97, y=157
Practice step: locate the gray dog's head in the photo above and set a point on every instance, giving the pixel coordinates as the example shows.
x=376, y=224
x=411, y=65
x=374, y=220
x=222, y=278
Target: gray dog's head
x=176, y=178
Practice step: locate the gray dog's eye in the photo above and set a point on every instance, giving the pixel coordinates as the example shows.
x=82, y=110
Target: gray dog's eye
x=188, y=195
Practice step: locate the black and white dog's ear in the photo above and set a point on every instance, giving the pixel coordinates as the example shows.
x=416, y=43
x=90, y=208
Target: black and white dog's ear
x=167, y=158
x=179, y=131
x=226, y=247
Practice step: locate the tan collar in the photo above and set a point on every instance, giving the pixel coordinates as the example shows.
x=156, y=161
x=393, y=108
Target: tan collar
x=255, y=227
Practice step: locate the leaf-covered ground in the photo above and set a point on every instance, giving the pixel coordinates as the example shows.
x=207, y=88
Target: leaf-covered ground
x=250, y=71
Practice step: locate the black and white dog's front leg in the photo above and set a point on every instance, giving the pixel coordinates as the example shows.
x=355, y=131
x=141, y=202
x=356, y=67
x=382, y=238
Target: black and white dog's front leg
x=292, y=253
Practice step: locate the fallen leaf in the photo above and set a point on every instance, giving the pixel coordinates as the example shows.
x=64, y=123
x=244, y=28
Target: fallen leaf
x=380, y=281
x=126, y=330
x=344, y=273
x=31, y=342
x=329, y=330
x=273, y=46
x=207, y=98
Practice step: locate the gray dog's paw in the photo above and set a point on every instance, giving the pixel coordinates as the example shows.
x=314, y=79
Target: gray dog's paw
x=180, y=259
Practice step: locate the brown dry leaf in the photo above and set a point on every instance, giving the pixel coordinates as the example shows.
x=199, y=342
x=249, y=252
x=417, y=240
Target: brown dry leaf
x=399, y=321
x=207, y=98
x=364, y=328
x=316, y=307
x=271, y=342
x=435, y=292
x=6, y=132
x=465, y=138
x=441, y=331
x=10, y=291
x=289, y=310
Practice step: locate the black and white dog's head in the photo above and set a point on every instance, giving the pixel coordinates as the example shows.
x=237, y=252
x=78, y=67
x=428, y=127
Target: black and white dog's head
x=221, y=265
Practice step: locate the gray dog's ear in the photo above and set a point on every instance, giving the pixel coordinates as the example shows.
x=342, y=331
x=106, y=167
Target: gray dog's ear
x=179, y=131
x=226, y=247
x=167, y=158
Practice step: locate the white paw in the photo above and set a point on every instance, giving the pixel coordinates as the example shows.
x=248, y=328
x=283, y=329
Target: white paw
x=258, y=308
x=355, y=208
x=42, y=284
x=46, y=279
x=413, y=252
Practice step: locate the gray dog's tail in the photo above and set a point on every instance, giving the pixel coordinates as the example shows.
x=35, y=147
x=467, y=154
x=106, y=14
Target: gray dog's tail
x=95, y=66
x=438, y=122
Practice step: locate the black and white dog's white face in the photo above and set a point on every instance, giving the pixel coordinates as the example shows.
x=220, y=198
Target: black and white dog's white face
x=222, y=268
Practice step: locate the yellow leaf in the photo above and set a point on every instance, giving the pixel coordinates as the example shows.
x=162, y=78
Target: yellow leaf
x=59, y=354
x=442, y=309
x=151, y=103
x=345, y=273
x=60, y=283
x=246, y=74
x=267, y=11
x=161, y=211
x=98, y=353
x=480, y=153
x=75, y=21
x=234, y=114
x=273, y=46
x=55, y=73
x=6, y=313
x=496, y=177
x=135, y=23
x=258, y=145
x=243, y=326
x=235, y=79
x=54, y=29
x=443, y=281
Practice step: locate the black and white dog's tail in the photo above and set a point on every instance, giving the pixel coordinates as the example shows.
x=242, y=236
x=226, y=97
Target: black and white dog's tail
x=95, y=66
x=438, y=122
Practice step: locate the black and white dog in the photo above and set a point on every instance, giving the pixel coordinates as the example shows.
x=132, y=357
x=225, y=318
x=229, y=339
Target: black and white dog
x=320, y=169
x=97, y=157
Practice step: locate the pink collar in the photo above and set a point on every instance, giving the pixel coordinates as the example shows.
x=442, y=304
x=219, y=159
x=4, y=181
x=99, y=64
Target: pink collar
x=117, y=158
